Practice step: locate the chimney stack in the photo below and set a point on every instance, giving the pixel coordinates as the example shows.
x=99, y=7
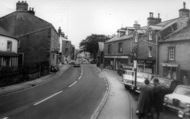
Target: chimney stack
x=151, y=20
x=21, y=6
x=31, y=11
x=184, y=12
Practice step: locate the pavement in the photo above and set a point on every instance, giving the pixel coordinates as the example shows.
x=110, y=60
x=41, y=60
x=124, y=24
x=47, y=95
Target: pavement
x=118, y=104
x=36, y=82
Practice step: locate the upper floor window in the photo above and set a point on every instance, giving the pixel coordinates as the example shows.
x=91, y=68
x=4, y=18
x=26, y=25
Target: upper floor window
x=171, y=53
x=150, y=35
x=109, y=48
x=9, y=46
x=136, y=37
x=120, y=47
x=149, y=51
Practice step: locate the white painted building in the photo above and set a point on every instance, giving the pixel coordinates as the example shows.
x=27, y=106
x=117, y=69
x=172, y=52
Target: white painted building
x=8, y=50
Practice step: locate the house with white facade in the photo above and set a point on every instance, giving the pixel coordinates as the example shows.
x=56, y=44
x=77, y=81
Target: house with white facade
x=9, y=63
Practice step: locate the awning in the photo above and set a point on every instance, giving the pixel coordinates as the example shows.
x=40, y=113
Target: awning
x=170, y=65
x=11, y=54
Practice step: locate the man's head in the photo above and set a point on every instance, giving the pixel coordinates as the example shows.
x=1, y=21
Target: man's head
x=146, y=81
x=156, y=81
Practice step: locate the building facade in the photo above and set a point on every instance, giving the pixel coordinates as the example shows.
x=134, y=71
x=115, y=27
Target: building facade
x=38, y=39
x=67, y=50
x=131, y=43
x=8, y=56
x=174, y=46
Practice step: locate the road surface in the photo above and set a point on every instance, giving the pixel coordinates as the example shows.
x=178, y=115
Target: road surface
x=73, y=95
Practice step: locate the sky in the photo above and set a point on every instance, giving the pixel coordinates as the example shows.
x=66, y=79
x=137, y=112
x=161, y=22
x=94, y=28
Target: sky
x=81, y=18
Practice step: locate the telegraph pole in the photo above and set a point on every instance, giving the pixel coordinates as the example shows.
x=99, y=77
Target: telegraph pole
x=135, y=63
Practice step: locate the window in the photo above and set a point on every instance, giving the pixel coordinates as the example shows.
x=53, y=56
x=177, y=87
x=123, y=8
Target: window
x=149, y=51
x=136, y=37
x=9, y=46
x=171, y=53
x=120, y=47
x=109, y=48
x=150, y=35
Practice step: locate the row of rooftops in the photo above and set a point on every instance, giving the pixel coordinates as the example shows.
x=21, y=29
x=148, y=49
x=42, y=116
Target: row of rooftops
x=154, y=24
x=26, y=16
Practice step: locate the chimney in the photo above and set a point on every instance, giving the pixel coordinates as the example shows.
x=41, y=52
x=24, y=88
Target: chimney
x=151, y=20
x=31, y=11
x=184, y=12
x=22, y=6
x=159, y=19
x=59, y=31
x=136, y=25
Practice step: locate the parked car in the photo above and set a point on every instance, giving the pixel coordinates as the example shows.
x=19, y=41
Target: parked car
x=54, y=68
x=72, y=62
x=77, y=64
x=179, y=100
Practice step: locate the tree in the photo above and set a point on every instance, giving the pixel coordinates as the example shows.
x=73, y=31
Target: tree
x=90, y=44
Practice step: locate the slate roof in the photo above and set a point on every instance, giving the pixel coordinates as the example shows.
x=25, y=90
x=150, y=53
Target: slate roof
x=117, y=38
x=164, y=23
x=5, y=33
x=22, y=22
x=183, y=34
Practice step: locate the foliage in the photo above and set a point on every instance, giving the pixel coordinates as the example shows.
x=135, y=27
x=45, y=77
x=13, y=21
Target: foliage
x=90, y=44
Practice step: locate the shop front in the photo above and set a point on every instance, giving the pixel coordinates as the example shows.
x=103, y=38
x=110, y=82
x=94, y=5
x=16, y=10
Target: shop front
x=171, y=71
x=146, y=65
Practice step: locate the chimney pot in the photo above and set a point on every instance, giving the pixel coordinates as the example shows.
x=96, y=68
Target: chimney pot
x=184, y=5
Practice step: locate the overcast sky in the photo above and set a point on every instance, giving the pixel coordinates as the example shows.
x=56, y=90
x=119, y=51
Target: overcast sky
x=80, y=18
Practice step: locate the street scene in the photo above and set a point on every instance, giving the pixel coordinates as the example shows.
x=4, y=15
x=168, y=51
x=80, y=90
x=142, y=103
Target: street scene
x=94, y=59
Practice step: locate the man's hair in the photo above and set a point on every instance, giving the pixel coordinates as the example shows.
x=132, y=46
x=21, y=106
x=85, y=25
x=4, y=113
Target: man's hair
x=146, y=81
x=156, y=80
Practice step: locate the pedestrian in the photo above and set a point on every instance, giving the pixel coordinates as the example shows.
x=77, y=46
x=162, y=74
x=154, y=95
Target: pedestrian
x=144, y=102
x=158, y=97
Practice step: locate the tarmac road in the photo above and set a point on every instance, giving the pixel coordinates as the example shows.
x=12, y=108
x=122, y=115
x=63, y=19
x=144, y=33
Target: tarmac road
x=73, y=95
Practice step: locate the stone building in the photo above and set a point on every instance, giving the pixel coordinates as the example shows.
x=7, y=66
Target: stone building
x=174, y=55
x=130, y=43
x=67, y=50
x=38, y=39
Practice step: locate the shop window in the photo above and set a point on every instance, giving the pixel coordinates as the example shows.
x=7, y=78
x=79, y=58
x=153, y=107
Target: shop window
x=120, y=47
x=171, y=53
x=9, y=46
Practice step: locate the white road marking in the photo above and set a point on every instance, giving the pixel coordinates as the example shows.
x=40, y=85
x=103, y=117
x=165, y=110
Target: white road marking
x=80, y=74
x=79, y=78
x=5, y=117
x=47, y=98
x=72, y=84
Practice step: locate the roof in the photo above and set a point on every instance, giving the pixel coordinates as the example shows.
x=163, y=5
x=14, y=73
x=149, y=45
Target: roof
x=164, y=23
x=183, y=34
x=117, y=38
x=22, y=22
x=5, y=33
x=3, y=53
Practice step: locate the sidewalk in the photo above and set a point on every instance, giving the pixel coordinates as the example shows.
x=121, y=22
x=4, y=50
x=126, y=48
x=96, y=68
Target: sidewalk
x=29, y=84
x=118, y=105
